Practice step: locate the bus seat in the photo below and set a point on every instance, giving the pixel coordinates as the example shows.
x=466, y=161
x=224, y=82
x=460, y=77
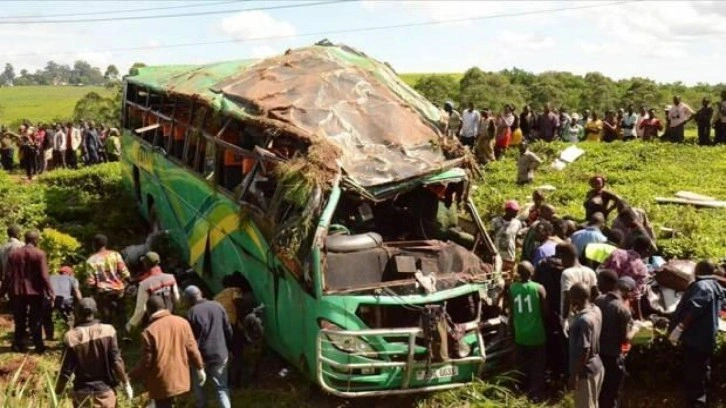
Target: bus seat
x=353, y=243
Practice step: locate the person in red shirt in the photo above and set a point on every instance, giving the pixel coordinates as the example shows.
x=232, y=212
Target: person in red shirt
x=28, y=284
x=651, y=126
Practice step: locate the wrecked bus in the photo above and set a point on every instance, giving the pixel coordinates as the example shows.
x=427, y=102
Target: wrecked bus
x=325, y=181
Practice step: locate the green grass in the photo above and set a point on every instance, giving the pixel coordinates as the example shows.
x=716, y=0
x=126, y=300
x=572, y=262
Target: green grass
x=41, y=103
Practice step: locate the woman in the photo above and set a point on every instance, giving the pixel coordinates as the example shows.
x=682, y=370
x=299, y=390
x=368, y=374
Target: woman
x=503, y=136
x=598, y=199
x=574, y=132
x=610, y=128
x=593, y=128
x=651, y=126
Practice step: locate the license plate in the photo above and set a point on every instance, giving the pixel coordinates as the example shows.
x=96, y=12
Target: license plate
x=446, y=371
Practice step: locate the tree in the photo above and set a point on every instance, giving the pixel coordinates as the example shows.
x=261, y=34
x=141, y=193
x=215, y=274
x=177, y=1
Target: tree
x=438, y=88
x=599, y=93
x=489, y=90
x=8, y=75
x=642, y=92
x=111, y=73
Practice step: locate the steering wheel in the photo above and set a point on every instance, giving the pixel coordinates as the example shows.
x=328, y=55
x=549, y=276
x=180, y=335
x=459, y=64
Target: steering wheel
x=336, y=229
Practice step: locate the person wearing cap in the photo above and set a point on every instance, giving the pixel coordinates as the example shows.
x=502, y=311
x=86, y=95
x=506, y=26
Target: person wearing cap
x=506, y=230
x=678, y=115
x=27, y=284
x=168, y=353
x=156, y=283
x=65, y=288
x=591, y=234
x=108, y=276
x=92, y=357
x=694, y=325
x=618, y=329
x=213, y=331
x=703, y=120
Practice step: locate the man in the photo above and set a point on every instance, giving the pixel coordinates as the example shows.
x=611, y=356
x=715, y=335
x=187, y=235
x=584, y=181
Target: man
x=617, y=331
x=453, y=125
x=695, y=324
x=572, y=274
x=469, y=126
x=526, y=123
x=586, y=369
x=548, y=124
x=545, y=234
x=528, y=311
x=719, y=122
x=628, y=124
x=629, y=262
x=13, y=243
x=65, y=287
x=72, y=145
x=632, y=222
x=168, y=352
x=592, y=234
x=92, y=357
x=155, y=283
x=549, y=274
x=678, y=115
x=703, y=121
x=213, y=332
x=526, y=164
x=92, y=144
x=506, y=229
x=27, y=284
x=107, y=275
x=60, y=145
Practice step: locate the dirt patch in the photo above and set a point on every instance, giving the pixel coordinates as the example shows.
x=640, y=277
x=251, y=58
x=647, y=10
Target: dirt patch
x=27, y=365
x=6, y=322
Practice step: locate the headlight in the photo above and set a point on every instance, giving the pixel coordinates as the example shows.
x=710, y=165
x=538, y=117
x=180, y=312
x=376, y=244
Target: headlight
x=344, y=342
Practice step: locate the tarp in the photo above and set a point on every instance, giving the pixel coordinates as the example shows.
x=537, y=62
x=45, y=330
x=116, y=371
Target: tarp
x=386, y=132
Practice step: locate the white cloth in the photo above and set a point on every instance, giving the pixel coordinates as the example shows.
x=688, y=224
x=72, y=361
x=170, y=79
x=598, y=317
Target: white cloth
x=76, y=138
x=60, y=140
x=470, y=123
x=571, y=276
x=505, y=236
x=629, y=120
x=679, y=114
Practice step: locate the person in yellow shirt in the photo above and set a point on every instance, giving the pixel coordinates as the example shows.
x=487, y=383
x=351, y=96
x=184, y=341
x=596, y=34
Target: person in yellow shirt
x=593, y=128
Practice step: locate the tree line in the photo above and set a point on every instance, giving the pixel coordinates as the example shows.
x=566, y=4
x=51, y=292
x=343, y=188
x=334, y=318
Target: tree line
x=81, y=73
x=593, y=90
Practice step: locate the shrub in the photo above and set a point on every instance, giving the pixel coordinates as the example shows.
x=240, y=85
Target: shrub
x=60, y=248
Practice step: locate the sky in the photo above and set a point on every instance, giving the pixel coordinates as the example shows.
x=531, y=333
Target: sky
x=667, y=41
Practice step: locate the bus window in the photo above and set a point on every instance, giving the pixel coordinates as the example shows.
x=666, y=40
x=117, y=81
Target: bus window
x=182, y=120
x=205, y=165
x=191, y=150
x=261, y=189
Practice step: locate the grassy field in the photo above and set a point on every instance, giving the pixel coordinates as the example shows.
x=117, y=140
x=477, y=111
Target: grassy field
x=41, y=103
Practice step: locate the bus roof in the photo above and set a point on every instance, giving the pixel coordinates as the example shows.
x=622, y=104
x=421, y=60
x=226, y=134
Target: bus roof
x=384, y=130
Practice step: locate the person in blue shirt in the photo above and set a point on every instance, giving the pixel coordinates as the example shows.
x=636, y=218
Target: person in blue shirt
x=591, y=234
x=695, y=325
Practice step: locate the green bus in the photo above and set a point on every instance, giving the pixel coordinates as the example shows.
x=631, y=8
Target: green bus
x=327, y=182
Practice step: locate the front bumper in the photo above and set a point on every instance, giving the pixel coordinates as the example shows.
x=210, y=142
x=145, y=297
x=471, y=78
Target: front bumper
x=396, y=368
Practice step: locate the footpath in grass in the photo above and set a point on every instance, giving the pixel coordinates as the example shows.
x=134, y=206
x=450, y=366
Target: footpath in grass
x=41, y=103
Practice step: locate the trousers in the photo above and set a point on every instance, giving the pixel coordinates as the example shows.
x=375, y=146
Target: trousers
x=588, y=391
x=217, y=375
x=697, y=376
x=531, y=362
x=613, y=382
x=27, y=314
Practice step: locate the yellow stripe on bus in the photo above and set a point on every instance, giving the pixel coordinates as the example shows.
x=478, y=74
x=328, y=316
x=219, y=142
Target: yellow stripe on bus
x=226, y=226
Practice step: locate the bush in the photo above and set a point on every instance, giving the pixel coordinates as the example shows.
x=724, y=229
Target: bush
x=60, y=249
x=21, y=204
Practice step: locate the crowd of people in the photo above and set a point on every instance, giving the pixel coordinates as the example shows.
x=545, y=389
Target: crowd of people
x=177, y=353
x=43, y=147
x=490, y=134
x=580, y=296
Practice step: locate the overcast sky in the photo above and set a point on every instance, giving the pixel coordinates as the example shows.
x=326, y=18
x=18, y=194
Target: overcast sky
x=667, y=41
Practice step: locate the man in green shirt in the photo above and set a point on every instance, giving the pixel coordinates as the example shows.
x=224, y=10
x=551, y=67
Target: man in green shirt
x=527, y=316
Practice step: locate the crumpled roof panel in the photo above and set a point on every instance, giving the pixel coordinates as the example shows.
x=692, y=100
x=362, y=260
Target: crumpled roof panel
x=383, y=128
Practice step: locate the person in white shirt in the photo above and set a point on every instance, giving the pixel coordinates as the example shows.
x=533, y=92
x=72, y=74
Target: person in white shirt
x=155, y=282
x=573, y=273
x=642, y=115
x=469, y=126
x=73, y=143
x=60, y=142
x=628, y=123
x=678, y=115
